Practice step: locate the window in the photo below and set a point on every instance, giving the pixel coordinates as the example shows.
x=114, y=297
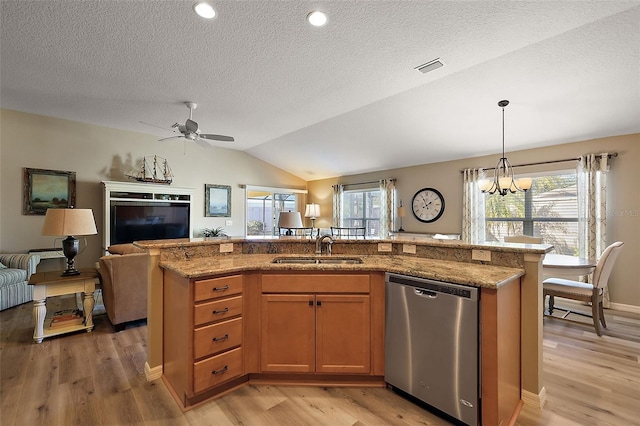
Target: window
x=263, y=208
x=361, y=208
x=548, y=210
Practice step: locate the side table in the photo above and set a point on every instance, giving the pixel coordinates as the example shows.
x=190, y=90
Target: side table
x=47, y=284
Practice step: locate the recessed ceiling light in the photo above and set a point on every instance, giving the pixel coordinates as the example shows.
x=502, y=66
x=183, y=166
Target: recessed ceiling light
x=317, y=18
x=205, y=10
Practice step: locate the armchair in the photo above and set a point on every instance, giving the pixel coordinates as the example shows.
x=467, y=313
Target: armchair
x=124, y=284
x=14, y=279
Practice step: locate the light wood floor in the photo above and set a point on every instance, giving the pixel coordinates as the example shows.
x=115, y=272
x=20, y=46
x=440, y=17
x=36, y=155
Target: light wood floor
x=97, y=379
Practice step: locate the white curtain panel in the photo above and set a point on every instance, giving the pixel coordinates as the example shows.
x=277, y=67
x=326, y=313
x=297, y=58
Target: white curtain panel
x=592, y=208
x=337, y=204
x=473, y=226
x=387, y=203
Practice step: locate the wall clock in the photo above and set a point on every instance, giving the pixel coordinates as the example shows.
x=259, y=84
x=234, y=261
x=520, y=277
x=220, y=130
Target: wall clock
x=427, y=205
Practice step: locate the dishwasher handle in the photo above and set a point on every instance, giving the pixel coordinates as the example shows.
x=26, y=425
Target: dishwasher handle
x=425, y=293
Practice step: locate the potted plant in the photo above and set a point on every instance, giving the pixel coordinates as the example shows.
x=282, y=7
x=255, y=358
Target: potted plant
x=214, y=232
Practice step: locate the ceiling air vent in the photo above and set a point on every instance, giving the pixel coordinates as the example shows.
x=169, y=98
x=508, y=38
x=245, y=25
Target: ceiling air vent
x=430, y=66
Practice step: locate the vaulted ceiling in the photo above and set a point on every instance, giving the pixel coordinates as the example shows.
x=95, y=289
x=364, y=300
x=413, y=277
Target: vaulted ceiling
x=341, y=99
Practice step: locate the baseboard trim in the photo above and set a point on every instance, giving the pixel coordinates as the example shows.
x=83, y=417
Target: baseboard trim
x=626, y=308
x=152, y=374
x=534, y=400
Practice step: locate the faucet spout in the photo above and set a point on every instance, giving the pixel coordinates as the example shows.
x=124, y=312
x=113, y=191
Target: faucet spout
x=320, y=240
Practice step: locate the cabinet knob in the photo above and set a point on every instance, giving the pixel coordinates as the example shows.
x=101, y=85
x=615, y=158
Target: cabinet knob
x=319, y=303
x=224, y=311
x=221, y=339
x=222, y=370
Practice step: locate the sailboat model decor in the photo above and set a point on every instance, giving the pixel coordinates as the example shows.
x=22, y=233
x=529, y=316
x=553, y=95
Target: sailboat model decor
x=152, y=169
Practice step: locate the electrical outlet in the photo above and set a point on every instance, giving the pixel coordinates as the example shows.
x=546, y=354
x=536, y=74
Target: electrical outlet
x=386, y=247
x=226, y=248
x=228, y=222
x=409, y=248
x=483, y=255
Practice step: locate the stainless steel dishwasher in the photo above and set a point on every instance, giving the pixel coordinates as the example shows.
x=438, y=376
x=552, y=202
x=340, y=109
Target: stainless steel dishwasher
x=432, y=344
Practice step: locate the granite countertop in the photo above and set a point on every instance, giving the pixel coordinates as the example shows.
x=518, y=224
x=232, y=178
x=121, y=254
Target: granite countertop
x=476, y=275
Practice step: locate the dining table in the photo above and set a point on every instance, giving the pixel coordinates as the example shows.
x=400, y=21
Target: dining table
x=566, y=266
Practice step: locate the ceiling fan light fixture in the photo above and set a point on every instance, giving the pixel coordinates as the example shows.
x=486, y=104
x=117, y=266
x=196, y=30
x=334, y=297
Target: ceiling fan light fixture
x=204, y=10
x=317, y=18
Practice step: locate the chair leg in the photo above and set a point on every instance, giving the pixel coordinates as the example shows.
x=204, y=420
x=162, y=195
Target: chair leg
x=595, y=311
x=551, y=301
x=604, y=323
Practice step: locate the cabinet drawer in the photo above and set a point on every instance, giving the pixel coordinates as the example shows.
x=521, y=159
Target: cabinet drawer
x=215, y=370
x=217, y=337
x=217, y=310
x=315, y=283
x=217, y=287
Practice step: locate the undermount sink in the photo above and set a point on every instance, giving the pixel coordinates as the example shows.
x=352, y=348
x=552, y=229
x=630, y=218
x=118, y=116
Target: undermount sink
x=319, y=260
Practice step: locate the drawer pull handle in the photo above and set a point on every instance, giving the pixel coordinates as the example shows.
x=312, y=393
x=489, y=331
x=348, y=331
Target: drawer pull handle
x=226, y=287
x=221, y=339
x=221, y=371
x=224, y=311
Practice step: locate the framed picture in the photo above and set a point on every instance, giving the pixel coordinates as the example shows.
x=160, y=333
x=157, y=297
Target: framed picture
x=217, y=200
x=43, y=189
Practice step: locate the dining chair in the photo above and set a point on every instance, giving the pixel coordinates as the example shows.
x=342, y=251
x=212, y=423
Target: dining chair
x=585, y=292
x=527, y=239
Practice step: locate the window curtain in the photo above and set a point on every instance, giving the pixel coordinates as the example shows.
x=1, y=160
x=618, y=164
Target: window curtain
x=592, y=208
x=387, y=202
x=472, y=207
x=337, y=204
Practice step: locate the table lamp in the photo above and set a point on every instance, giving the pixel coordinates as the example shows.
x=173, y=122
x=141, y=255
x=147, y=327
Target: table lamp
x=312, y=211
x=289, y=220
x=69, y=222
x=401, y=213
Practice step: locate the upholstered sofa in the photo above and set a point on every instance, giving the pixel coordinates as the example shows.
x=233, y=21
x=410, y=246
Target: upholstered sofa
x=123, y=276
x=15, y=272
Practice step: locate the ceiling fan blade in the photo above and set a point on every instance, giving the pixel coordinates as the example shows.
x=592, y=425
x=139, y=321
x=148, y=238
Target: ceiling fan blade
x=203, y=143
x=191, y=126
x=170, y=137
x=221, y=138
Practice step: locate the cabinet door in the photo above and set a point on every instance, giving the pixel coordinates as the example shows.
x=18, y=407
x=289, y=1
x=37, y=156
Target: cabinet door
x=343, y=327
x=288, y=333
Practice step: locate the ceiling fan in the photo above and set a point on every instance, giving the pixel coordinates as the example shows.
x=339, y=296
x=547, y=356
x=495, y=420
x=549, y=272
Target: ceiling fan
x=189, y=130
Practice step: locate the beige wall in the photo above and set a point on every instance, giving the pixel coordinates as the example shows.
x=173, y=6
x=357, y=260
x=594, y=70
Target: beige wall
x=623, y=197
x=99, y=153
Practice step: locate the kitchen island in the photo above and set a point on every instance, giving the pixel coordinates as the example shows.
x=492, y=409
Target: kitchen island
x=505, y=280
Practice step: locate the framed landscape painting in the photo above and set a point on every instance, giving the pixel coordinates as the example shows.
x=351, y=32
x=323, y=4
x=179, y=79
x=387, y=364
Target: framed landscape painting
x=217, y=200
x=45, y=189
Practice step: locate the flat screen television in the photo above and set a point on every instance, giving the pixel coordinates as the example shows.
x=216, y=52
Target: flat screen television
x=152, y=221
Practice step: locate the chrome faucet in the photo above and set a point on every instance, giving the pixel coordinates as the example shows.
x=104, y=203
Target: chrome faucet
x=319, y=240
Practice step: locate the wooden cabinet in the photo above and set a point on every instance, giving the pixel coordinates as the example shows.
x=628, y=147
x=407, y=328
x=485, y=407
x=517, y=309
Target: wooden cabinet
x=316, y=323
x=203, y=334
x=259, y=327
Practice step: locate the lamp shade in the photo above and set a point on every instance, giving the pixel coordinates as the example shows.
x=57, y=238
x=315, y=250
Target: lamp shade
x=289, y=220
x=402, y=212
x=61, y=222
x=312, y=210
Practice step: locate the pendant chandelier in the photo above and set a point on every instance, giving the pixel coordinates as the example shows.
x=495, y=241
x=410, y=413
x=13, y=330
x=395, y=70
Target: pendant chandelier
x=503, y=180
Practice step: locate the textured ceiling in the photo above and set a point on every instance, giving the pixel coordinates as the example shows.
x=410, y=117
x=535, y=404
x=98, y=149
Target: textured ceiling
x=336, y=100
